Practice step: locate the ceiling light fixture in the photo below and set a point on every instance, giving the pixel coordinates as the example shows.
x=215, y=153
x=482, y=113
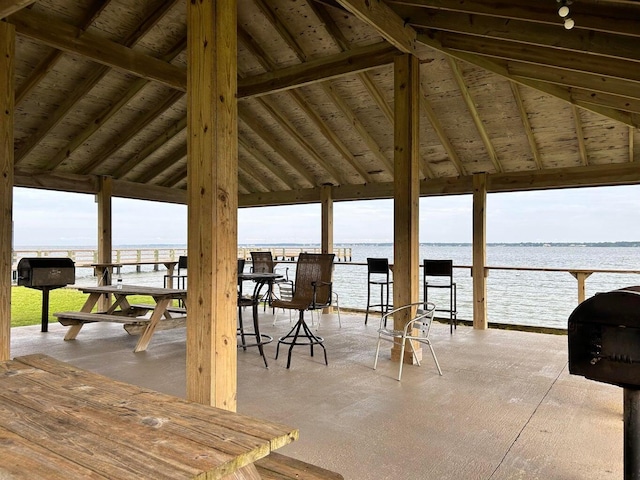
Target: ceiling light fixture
x=563, y=11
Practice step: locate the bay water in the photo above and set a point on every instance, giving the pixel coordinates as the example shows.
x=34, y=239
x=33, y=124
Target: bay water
x=536, y=298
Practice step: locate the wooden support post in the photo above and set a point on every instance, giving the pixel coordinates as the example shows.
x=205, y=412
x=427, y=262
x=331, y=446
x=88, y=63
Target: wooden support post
x=327, y=224
x=479, y=251
x=105, y=235
x=406, y=192
x=212, y=179
x=7, y=94
x=581, y=277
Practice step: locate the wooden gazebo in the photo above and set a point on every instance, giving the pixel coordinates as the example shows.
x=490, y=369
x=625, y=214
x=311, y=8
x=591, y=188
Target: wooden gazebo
x=226, y=104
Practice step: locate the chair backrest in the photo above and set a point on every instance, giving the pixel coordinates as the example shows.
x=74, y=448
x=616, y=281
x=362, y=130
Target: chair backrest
x=378, y=265
x=286, y=291
x=314, y=268
x=182, y=263
x=438, y=268
x=424, y=318
x=262, y=262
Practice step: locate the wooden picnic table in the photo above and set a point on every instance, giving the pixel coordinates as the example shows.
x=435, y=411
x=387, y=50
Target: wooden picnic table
x=135, y=318
x=60, y=422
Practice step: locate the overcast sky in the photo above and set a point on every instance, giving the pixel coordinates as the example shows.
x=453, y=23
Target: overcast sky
x=44, y=218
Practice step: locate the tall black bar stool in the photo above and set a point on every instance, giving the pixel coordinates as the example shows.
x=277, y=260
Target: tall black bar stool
x=378, y=275
x=439, y=274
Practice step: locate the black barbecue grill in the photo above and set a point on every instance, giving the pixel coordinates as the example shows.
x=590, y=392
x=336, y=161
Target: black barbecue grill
x=604, y=345
x=46, y=274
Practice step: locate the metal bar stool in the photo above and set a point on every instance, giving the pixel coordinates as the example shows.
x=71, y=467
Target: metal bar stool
x=378, y=275
x=443, y=271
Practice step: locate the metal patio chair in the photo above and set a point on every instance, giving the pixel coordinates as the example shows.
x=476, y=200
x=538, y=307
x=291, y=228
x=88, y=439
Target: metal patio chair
x=416, y=329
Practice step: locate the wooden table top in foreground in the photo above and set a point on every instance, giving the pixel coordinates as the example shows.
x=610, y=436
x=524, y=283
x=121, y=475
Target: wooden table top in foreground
x=61, y=422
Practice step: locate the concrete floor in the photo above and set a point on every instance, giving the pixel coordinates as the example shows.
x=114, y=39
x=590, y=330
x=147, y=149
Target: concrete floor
x=506, y=407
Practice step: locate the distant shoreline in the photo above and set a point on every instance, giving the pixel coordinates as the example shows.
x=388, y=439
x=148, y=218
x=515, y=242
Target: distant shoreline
x=349, y=244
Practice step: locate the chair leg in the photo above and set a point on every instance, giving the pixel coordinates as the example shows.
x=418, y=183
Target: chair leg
x=433, y=354
x=366, y=317
x=401, y=358
x=241, y=328
x=375, y=362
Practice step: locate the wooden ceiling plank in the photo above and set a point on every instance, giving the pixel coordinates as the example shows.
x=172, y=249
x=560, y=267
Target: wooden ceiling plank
x=600, y=16
x=84, y=87
x=282, y=30
x=255, y=178
x=70, y=39
x=632, y=132
x=440, y=132
x=317, y=70
x=175, y=179
x=101, y=119
x=9, y=7
x=42, y=69
x=264, y=162
x=545, y=35
x=131, y=131
x=291, y=129
x=554, y=90
x=351, y=117
x=527, y=125
x=157, y=142
x=56, y=117
x=383, y=19
x=584, y=158
x=473, y=111
x=260, y=131
x=156, y=169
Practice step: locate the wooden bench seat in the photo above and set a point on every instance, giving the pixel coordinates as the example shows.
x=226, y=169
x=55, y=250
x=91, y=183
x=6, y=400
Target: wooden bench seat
x=276, y=466
x=170, y=308
x=133, y=325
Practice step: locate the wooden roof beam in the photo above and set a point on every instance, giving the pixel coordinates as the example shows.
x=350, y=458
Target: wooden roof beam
x=317, y=70
x=365, y=77
x=535, y=152
x=9, y=7
x=442, y=135
x=84, y=87
x=584, y=158
x=498, y=68
x=473, y=111
x=383, y=19
x=328, y=133
x=546, y=56
x=520, y=31
x=600, y=16
x=71, y=39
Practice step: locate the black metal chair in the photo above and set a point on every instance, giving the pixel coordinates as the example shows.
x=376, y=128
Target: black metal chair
x=179, y=278
x=439, y=274
x=312, y=291
x=378, y=275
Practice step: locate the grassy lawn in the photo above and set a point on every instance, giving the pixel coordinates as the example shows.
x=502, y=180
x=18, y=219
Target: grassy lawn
x=26, y=304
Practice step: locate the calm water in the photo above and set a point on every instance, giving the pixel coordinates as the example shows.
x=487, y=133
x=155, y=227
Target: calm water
x=523, y=298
